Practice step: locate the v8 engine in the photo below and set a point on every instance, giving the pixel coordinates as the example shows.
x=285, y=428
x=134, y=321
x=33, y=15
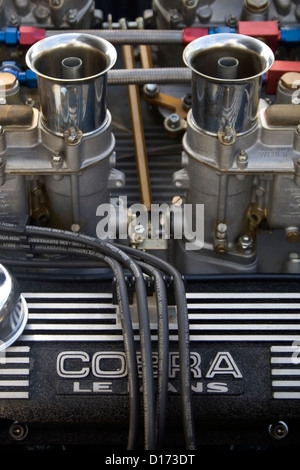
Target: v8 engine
x=149, y=224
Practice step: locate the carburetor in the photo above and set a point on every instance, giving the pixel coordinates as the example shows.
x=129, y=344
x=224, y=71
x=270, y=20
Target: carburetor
x=57, y=162
x=241, y=154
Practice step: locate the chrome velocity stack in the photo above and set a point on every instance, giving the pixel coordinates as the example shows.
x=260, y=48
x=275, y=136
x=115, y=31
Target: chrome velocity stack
x=13, y=309
x=227, y=72
x=72, y=71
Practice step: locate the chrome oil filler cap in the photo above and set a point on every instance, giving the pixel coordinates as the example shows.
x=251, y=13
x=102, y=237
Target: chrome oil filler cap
x=13, y=309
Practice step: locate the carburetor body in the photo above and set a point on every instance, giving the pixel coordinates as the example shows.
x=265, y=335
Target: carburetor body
x=68, y=170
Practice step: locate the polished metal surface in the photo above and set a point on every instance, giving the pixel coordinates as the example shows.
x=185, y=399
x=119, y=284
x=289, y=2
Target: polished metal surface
x=72, y=75
x=227, y=95
x=13, y=309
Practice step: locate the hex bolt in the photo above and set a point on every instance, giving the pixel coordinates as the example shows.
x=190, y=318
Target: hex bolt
x=140, y=22
x=151, y=90
x=221, y=230
x=174, y=16
x=245, y=242
x=118, y=183
x=242, y=159
x=14, y=20
x=231, y=20
x=18, y=431
x=56, y=3
x=221, y=236
x=292, y=234
x=278, y=430
x=57, y=162
x=30, y=102
x=187, y=100
x=174, y=121
x=71, y=16
x=257, y=4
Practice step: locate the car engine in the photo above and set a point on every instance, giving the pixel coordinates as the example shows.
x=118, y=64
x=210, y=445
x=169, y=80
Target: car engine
x=149, y=225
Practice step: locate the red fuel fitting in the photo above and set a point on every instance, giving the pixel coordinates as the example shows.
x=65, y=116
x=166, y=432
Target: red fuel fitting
x=189, y=34
x=267, y=31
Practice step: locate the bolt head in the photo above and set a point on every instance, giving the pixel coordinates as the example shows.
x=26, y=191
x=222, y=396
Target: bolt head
x=245, y=242
x=174, y=16
x=227, y=136
x=222, y=228
x=257, y=4
x=73, y=136
x=72, y=14
x=177, y=201
x=151, y=89
x=174, y=121
x=293, y=235
x=279, y=430
x=242, y=158
x=75, y=228
x=57, y=162
x=139, y=229
x=231, y=20
x=18, y=431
